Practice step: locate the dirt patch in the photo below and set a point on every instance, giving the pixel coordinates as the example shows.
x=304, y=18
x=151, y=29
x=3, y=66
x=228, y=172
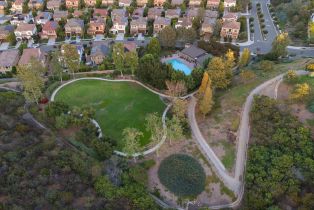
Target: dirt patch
x=210, y=196
x=68, y=132
x=283, y=91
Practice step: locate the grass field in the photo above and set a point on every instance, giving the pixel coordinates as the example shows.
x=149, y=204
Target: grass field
x=118, y=105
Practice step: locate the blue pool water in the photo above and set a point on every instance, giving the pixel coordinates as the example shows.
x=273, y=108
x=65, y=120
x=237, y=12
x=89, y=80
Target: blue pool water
x=179, y=66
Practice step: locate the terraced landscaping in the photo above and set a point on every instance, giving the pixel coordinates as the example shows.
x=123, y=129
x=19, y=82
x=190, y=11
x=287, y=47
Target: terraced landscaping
x=118, y=105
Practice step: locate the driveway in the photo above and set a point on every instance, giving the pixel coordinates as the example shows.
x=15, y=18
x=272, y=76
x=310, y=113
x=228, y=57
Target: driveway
x=4, y=46
x=51, y=41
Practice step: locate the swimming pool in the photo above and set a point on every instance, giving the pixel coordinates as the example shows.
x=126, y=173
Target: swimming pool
x=179, y=66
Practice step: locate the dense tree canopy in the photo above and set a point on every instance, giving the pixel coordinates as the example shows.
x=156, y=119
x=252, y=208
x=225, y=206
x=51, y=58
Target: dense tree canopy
x=280, y=164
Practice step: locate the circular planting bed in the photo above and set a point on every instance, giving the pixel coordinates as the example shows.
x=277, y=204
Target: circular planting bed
x=182, y=175
x=118, y=105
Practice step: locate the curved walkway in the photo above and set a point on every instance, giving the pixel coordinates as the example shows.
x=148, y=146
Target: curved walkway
x=146, y=152
x=236, y=183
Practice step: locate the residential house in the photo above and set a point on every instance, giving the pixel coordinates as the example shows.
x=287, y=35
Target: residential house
x=107, y=2
x=53, y=4
x=210, y=14
x=154, y=12
x=141, y=3
x=74, y=27
x=118, y=14
x=17, y=6
x=230, y=3
x=230, y=29
x=77, y=13
x=119, y=25
x=8, y=59
x=25, y=31
x=35, y=4
x=195, y=3
x=207, y=28
x=138, y=12
x=125, y=3
x=99, y=51
x=213, y=4
x=72, y=3
x=159, y=3
x=96, y=26
x=130, y=46
x=138, y=25
x=160, y=23
x=100, y=13
x=192, y=13
x=3, y=5
x=5, y=30
x=32, y=53
x=90, y=3
x=230, y=16
x=58, y=15
x=176, y=3
x=49, y=30
x=184, y=22
x=43, y=17
x=194, y=54
x=173, y=13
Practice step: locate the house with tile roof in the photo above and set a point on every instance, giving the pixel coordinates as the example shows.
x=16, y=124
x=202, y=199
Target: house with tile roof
x=25, y=31
x=49, y=30
x=53, y=4
x=8, y=59
x=230, y=29
x=160, y=23
x=74, y=27
x=138, y=25
x=96, y=26
x=34, y=53
x=173, y=13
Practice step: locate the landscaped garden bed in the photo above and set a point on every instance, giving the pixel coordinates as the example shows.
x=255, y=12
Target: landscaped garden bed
x=118, y=105
x=182, y=175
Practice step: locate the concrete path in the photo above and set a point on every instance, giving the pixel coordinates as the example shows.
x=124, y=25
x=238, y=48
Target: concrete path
x=236, y=183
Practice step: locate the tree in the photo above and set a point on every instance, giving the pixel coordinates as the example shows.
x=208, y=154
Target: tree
x=203, y=86
x=154, y=47
x=230, y=61
x=105, y=188
x=174, y=129
x=167, y=37
x=131, y=61
x=11, y=38
x=300, y=91
x=186, y=34
x=118, y=56
x=71, y=58
x=291, y=75
x=153, y=72
x=155, y=127
x=218, y=74
x=31, y=77
x=206, y=103
x=221, y=8
x=280, y=44
x=55, y=65
x=25, y=8
x=245, y=57
x=103, y=149
x=179, y=108
x=131, y=137
x=175, y=88
x=98, y=3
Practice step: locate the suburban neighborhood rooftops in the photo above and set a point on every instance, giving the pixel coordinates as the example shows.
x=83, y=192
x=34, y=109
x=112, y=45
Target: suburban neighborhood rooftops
x=30, y=53
x=25, y=27
x=231, y=25
x=9, y=58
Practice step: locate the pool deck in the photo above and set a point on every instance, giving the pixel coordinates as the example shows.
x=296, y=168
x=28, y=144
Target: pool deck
x=175, y=56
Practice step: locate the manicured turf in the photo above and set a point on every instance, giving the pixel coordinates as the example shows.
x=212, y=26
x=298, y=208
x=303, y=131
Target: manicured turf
x=118, y=105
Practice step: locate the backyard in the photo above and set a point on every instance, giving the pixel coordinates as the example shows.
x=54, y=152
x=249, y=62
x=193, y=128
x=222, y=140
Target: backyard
x=118, y=105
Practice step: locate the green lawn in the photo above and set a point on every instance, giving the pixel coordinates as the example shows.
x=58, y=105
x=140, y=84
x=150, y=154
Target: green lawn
x=118, y=105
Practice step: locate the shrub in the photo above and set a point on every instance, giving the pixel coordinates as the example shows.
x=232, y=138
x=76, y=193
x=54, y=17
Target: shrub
x=310, y=67
x=182, y=175
x=252, y=30
x=266, y=65
x=291, y=75
x=310, y=106
x=251, y=19
x=263, y=26
x=265, y=31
